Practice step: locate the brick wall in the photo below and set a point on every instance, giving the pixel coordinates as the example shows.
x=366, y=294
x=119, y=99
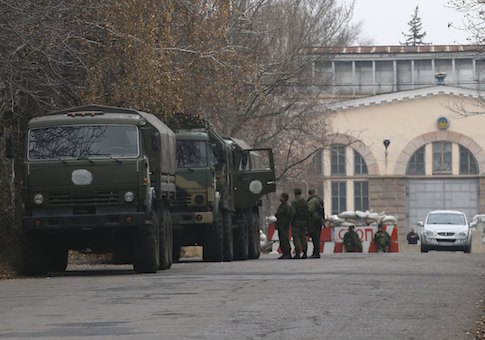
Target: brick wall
x=389, y=194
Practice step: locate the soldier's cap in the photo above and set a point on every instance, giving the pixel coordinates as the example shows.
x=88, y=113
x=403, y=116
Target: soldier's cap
x=285, y=196
x=297, y=191
x=311, y=191
x=352, y=226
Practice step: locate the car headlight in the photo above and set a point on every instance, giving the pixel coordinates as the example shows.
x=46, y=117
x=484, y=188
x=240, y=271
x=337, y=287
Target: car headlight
x=129, y=197
x=38, y=199
x=462, y=234
x=429, y=233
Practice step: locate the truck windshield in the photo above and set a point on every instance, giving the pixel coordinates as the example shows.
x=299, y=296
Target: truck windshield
x=83, y=142
x=445, y=218
x=191, y=154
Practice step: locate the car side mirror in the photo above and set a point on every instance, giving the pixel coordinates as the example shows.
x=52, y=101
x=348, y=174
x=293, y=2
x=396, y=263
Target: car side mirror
x=420, y=224
x=473, y=224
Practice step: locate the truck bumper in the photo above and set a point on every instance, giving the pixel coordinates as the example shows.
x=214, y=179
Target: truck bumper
x=131, y=219
x=180, y=218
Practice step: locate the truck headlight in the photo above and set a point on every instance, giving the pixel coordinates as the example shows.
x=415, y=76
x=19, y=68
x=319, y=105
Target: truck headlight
x=38, y=199
x=129, y=197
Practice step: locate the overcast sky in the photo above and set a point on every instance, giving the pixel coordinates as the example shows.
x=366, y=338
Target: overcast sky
x=383, y=21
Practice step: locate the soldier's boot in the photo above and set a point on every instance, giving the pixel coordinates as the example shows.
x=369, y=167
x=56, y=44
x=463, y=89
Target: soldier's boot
x=284, y=256
x=297, y=256
x=304, y=256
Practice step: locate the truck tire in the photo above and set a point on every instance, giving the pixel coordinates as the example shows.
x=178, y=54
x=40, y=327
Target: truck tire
x=253, y=230
x=228, y=236
x=166, y=240
x=212, y=249
x=176, y=253
x=241, y=238
x=57, y=259
x=146, y=256
x=34, y=255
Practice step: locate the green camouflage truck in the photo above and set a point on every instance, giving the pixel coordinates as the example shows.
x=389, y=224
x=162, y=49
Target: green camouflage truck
x=215, y=207
x=98, y=179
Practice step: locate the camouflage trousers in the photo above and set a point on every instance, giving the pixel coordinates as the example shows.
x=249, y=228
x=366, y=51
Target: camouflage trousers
x=284, y=237
x=298, y=230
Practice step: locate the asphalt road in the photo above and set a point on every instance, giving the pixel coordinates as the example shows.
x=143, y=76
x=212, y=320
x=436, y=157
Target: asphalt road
x=340, y=296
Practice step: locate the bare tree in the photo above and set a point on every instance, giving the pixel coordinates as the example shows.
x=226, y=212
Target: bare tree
x=281, y=107
x=473, y=19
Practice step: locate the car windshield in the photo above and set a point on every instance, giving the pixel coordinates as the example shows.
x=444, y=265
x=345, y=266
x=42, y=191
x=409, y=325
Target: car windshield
x=83, y=142
x=446, y=218
x=192, y=154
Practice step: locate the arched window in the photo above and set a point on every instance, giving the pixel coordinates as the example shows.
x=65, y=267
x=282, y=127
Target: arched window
x=360, y=167
x=318, y=162
x=468, y=163
x=337, y=160
x=416, y=163
x=442, y=158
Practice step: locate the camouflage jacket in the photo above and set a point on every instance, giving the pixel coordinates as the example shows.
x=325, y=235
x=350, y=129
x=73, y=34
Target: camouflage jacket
x=352, y=238
x=283, y=215
x=382, y=238
x=315, y=208
x=299, y=210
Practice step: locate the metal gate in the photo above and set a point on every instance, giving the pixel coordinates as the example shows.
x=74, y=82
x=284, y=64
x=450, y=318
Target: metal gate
x=424, y=195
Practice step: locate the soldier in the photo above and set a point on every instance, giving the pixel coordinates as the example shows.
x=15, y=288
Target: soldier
x=283, y=215
x=315, y=211
x=299, y=220
x=382, y=239
x=352, y=241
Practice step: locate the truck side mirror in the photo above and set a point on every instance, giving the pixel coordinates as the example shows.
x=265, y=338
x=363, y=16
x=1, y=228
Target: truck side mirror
x=9, y=150
x=244, y=159
x=156, y=141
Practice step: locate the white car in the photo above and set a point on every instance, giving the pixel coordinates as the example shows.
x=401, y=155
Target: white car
x=446, y=230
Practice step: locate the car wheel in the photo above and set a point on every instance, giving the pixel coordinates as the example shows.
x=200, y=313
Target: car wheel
x=424, y=249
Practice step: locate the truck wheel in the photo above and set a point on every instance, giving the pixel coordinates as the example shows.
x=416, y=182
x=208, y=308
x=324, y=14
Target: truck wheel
x=241, y=238
x=212, y=249
x=166, y=240
x=58, y=259
x=228, y=236
x=34, y=256
x=176, y=253
x=253, y=230
x=146, y=257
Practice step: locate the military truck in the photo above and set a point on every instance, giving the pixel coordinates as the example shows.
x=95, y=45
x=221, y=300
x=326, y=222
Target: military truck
x=218, y=186
x=98, y=179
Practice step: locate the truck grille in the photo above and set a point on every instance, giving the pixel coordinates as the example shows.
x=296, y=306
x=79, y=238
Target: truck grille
x=96, y=198
x=182, y=200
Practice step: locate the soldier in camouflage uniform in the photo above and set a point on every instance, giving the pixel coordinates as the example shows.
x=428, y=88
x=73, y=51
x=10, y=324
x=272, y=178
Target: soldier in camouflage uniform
x=352, y=241
x=382, y=239
x=283, y=215
x=299, y=221
x=315, y=212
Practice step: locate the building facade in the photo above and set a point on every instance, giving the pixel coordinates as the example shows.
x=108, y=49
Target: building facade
x=406, y=146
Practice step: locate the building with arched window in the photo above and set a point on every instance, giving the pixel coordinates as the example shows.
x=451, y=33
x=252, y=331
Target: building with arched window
x=406, y=153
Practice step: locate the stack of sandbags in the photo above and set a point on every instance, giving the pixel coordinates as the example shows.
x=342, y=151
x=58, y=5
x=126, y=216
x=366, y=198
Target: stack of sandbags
x=360, y=218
